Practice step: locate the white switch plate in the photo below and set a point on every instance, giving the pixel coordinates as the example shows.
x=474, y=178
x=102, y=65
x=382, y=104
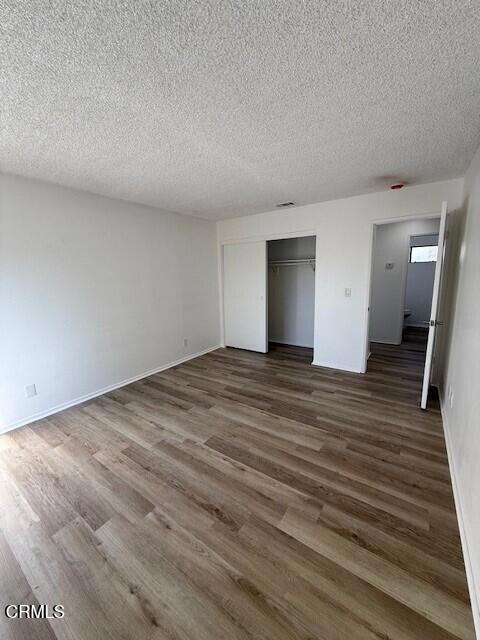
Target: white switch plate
x=348, y=293
x=30, y=391
x=185, y=342
x=450, y=396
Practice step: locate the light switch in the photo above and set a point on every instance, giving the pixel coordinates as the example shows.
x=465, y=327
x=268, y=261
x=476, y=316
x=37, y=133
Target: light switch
x=348, y=293
x=30, y=391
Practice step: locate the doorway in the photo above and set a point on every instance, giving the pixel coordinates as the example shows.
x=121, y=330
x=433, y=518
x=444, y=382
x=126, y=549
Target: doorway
x=404, y=268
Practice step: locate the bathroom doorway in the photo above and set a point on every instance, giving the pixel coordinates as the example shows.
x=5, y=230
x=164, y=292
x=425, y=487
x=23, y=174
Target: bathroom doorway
x=403, y=272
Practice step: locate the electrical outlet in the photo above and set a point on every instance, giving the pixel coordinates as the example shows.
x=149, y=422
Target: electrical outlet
x=30, y=391
x=348, y=292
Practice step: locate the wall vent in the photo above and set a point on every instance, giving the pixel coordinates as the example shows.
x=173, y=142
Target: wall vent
x=285, y=204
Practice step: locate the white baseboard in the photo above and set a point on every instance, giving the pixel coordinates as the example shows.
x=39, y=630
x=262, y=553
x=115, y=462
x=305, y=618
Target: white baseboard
x=472, y=586
x=100, y=392
x=333, y=365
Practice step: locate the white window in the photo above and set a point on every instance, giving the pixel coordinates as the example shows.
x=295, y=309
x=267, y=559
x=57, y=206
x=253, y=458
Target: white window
x=424, y=254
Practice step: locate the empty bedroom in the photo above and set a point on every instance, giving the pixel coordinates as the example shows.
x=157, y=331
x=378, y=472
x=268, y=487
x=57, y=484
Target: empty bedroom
x=239, y=320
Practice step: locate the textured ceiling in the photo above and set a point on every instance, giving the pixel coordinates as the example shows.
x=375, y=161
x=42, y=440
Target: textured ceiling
x=224, y=108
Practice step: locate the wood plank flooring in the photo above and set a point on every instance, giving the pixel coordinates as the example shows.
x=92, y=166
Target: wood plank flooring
x=238, y=496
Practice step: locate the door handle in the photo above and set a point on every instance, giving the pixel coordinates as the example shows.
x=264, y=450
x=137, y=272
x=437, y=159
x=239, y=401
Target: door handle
x=436, y=323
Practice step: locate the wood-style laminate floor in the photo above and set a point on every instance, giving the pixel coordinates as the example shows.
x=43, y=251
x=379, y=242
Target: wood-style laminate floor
x=238, y=496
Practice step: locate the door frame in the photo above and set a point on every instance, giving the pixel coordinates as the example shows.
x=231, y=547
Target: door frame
x=259, y=238
x=374, y=223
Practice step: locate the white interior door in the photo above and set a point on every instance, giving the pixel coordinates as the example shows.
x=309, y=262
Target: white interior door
x=245, y=295
x=434, y=311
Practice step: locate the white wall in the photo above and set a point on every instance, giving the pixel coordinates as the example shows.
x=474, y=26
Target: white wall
x=392, y=242
x=95, y=291
x=291, y=293
x=462, y=374
x=344, y=238
x=419, y=288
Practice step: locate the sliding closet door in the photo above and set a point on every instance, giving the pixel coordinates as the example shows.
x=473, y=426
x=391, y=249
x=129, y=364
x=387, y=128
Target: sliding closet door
x=245, y=295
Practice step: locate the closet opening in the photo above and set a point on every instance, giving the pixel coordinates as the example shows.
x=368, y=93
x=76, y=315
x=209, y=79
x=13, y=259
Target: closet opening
x=291, y=295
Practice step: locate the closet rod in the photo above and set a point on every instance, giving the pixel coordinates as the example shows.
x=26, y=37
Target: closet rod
x=292, y=262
